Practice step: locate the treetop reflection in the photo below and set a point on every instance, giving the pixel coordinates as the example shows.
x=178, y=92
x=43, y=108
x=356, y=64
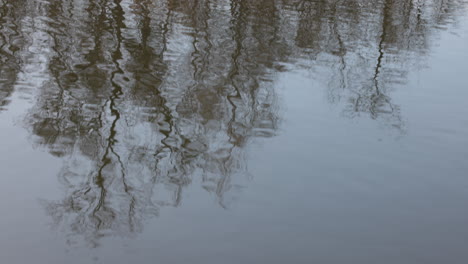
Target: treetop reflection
x=139, y=97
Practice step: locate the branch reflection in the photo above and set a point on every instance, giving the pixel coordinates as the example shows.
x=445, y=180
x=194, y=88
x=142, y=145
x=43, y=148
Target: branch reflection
x=140, y=97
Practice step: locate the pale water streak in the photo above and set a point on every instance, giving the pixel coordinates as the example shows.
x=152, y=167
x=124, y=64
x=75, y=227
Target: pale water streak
x=232, y=131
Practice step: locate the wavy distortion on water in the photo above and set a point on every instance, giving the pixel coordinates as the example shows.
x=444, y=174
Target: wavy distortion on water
x=139, y=97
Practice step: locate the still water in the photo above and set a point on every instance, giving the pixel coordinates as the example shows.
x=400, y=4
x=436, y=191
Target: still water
x=232, y=131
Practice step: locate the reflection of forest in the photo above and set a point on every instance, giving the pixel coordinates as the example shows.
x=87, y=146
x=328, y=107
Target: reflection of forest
x=140, y=96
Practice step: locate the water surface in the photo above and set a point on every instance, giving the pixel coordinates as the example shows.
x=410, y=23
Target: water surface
x=217, y=131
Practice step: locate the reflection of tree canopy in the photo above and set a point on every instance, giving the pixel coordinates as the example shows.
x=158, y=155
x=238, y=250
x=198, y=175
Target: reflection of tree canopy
x=369, y=45
x=10, y=43
x=142, y=96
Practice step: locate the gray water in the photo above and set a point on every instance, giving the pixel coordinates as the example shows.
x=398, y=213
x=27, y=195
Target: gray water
x=232, y=131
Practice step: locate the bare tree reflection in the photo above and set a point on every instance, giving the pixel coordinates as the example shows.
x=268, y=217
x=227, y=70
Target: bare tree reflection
x=371, y=47
x=10, y=42
x=141, y=97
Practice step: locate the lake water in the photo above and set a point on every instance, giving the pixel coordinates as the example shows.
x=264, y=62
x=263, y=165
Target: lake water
x=232, y=131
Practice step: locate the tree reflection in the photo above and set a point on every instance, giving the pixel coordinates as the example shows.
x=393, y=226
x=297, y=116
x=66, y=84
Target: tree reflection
x=141, y=97
x=10, y=43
